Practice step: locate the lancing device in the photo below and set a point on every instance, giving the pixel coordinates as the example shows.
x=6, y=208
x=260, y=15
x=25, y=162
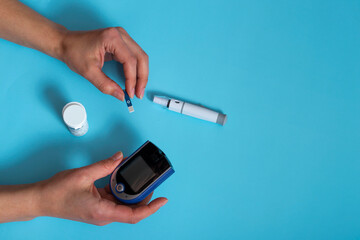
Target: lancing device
x=191, y=109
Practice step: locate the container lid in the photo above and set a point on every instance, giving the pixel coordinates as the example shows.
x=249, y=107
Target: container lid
x=74, y=115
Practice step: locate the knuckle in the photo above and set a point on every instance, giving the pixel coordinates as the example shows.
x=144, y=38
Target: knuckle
x=95, y=215
x=144, y=56
x=132, y=60
x=81, y=176
x=106, y=87
x=87, y=71
x=121, y=30
x=106, y=164
x=109, y=33
x=133, y=219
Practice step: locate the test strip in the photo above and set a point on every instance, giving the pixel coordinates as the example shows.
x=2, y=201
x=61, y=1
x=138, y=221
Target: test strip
x=128, y=102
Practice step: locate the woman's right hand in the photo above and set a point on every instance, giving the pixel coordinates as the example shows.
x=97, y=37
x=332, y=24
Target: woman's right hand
x=86, y=51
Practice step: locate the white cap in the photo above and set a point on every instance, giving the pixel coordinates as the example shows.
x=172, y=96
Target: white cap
x=74, y=115
x=163, y=101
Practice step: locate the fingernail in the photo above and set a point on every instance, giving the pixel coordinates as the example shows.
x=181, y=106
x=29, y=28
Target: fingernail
x=132, y=93
x=142, y=93
x=119, y=95
x=165, y=202
x=117, y=156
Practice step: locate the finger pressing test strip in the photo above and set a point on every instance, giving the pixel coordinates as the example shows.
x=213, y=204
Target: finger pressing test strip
x=128, y=102
x=191, y=110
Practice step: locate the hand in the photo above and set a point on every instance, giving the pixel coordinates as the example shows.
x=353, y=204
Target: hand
x=71, y=194
x=85, y=53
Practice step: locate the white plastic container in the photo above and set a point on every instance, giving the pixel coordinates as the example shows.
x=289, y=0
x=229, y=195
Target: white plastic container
x=75, y=118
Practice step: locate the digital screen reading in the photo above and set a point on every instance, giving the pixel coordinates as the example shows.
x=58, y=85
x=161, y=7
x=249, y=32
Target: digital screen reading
x=137, y=173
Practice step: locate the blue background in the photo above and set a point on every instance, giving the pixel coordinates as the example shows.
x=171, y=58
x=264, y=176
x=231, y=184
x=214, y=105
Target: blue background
x=285, y=166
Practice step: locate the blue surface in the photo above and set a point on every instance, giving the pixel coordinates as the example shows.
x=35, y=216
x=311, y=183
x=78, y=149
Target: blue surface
x=287, y=73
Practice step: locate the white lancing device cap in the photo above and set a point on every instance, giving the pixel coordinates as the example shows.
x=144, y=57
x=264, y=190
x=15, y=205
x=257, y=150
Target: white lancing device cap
x=163, y=101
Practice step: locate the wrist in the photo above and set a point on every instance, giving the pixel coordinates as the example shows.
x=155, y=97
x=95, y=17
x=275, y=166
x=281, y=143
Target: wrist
x=47, y=201
x=36, y=207
x=30, y=199
x=19, y=202
x=57, y=50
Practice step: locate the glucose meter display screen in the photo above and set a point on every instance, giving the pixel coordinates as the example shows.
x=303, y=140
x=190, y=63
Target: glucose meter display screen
x=137, y=173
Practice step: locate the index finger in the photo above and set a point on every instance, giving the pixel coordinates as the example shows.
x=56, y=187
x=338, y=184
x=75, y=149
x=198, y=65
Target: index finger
x=124, y=55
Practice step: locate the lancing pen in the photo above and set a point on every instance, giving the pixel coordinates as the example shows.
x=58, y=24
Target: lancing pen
x=191, y=109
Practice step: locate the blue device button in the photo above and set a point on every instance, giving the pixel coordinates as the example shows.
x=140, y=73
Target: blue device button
x=120, y=187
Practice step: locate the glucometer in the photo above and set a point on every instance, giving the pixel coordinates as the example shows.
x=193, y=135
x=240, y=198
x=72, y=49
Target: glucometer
x=140, y=174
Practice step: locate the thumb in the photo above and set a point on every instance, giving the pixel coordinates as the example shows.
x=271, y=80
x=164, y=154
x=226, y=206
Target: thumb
x=105, y=167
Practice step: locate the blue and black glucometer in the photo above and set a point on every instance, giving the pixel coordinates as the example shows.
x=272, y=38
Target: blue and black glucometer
x=140, y=174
